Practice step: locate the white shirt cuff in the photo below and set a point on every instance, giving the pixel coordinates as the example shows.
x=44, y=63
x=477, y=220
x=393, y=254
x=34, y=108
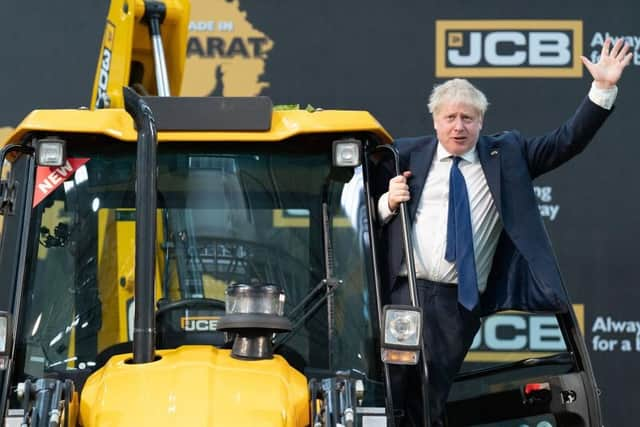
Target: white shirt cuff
x=384, y=213
x=603, y=97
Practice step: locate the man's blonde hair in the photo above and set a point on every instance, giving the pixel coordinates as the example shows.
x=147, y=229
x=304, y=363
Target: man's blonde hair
x=457, y=90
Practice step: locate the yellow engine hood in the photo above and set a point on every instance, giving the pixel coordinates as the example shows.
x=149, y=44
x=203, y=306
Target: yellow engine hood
x=195, y=386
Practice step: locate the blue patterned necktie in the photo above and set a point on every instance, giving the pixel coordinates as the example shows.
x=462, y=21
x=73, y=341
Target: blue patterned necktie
x=460, y=238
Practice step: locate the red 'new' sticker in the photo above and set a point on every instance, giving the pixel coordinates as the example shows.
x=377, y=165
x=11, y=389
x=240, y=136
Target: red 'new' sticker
x=49, y=178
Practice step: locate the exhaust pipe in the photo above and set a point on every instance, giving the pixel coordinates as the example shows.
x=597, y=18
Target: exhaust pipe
x=144, y=329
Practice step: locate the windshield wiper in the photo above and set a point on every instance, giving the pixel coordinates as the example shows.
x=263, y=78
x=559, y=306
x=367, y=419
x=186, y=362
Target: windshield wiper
x=329, y=286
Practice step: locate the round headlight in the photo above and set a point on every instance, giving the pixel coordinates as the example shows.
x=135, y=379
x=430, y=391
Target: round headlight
x=402, y=327
x=254, y=299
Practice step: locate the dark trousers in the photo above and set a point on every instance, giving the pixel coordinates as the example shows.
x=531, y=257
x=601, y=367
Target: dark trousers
x=448, y=331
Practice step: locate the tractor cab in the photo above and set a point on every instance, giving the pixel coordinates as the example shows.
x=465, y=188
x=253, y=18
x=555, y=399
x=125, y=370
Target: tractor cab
x=261, y=248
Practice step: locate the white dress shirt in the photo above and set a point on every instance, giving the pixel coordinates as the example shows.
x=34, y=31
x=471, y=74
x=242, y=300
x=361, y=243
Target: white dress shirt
x=429, y=232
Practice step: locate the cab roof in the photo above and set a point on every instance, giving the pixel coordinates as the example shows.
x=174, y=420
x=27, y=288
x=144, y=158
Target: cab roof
x=280, y=124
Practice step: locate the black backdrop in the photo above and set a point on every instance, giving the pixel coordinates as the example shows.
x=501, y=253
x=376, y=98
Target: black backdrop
x=379, y=55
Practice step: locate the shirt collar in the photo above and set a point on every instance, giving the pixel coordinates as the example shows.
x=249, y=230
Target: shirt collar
x=470, y=156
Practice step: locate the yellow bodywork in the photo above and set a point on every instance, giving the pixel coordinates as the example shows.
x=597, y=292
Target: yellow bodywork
x=116, y=270
x=195, y=386
x=117, y=124
x=126, y=40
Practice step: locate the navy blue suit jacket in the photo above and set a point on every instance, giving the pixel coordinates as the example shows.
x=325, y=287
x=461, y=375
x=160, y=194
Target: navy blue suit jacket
x=524, y=274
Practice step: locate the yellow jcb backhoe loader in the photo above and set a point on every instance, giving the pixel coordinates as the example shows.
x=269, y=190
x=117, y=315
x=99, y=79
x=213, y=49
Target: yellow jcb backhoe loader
x=188, y=261
x=211, y=261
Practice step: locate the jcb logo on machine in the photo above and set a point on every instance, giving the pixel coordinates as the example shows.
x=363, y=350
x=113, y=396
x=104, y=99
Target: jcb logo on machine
x=508, y=48
x=199, y=323
x=102, y=99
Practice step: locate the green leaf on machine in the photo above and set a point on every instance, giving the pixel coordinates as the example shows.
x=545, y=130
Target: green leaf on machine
x=285, y=107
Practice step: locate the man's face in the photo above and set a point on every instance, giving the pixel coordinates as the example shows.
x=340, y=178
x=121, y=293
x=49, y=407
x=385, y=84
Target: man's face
x=457, y=126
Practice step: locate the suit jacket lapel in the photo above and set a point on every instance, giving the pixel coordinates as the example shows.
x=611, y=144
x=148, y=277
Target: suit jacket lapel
x=419, y=165
x=489, y=155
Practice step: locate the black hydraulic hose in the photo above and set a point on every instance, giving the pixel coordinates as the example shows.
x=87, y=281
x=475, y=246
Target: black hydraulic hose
x=144, y=330
x=55, y=406
x=411, y=276
x=43, y=390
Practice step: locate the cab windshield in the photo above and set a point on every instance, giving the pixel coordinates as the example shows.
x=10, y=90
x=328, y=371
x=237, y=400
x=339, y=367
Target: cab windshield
x=227, y=213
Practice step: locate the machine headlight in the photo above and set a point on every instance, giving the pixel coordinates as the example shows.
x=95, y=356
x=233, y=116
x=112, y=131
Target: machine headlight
x=346, y=152
x=5, y=339
x=254, y=299
x=402, y=327
x=3, y=333
x=402, y=334
x=51, y=152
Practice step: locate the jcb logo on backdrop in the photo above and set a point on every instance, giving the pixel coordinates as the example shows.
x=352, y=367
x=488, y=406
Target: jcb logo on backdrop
x=512, y=336
x=508, y=48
